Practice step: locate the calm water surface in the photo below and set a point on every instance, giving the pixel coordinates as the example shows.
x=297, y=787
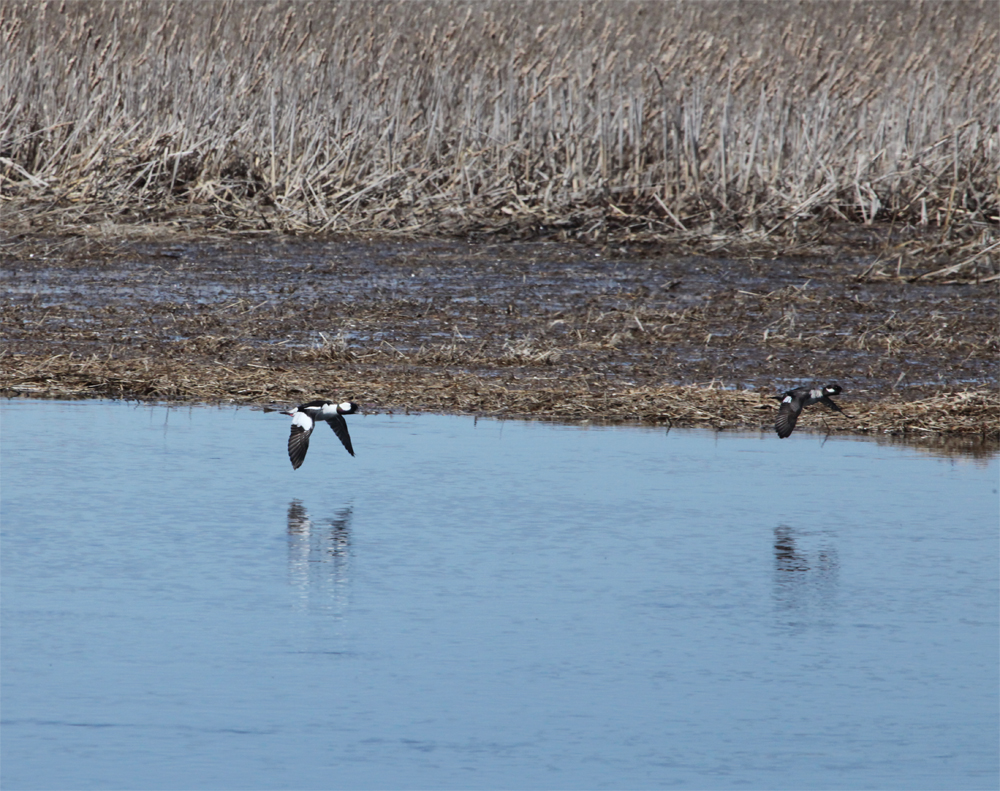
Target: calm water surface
x=488, y=605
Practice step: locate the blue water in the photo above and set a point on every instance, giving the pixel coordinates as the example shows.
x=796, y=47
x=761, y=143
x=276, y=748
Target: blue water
x=488, y=605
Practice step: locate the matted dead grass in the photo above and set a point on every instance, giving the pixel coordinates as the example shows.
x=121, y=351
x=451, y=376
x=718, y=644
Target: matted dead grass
x=972, y=413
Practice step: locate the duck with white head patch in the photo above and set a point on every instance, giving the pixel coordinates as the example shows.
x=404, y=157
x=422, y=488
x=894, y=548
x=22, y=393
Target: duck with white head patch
x=304, y=419
x=794, y=401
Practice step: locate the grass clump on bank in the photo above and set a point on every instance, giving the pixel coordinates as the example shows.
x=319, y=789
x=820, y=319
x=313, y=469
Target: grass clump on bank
x=691, y=120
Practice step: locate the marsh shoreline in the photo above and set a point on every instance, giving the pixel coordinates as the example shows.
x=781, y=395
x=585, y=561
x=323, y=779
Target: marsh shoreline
x=537, y=330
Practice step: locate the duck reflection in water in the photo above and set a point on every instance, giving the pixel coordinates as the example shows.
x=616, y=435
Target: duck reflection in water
x=319, y=555
x=806, y=569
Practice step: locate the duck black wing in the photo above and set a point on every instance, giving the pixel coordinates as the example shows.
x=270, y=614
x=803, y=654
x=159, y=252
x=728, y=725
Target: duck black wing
x=788, y=415
x=298, y=440
x=829, y=402
x=339, y=426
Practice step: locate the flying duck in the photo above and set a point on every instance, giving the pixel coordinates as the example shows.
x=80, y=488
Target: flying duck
x=304, y=419
x=794, y=401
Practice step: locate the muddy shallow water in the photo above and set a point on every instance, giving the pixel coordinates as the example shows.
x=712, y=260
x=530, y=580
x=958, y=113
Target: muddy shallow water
x=528, y=329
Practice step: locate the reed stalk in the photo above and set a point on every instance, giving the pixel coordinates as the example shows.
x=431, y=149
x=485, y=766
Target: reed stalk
x=589, y=119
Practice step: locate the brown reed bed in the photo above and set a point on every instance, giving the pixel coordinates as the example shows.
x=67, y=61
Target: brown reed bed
x=550, y=331
x=726, y=125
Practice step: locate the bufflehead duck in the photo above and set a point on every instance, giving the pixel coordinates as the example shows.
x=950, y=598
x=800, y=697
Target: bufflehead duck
x=304, y=419
x=794, y=401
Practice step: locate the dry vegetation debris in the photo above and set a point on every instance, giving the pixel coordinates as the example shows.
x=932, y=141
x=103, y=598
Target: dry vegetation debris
x=546, y=330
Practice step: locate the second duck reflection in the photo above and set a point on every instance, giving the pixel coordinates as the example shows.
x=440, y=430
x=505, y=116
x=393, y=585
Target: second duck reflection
x=806, y=576
x=319, y=557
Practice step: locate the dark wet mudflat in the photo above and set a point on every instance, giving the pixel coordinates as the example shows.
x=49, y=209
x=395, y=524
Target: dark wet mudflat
x=530, y=329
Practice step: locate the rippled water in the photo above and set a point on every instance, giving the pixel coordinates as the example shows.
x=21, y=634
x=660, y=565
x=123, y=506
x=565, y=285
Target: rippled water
x=488, y=605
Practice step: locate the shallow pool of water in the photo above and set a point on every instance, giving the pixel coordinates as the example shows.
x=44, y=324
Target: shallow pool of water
x=488, y=605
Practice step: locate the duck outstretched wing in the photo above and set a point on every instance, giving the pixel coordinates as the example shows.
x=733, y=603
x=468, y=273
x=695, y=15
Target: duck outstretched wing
x=298, y=440
x=787, y=417
x=339, y=426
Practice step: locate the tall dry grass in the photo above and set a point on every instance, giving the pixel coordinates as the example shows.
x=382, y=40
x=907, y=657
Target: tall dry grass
x=684, y=118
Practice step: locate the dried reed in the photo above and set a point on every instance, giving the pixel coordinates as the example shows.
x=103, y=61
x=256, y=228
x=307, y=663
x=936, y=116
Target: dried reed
x=702, y=120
